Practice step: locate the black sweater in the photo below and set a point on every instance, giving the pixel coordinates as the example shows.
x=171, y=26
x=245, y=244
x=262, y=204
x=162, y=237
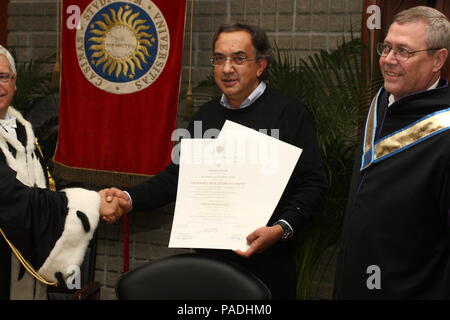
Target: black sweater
x=272, y=110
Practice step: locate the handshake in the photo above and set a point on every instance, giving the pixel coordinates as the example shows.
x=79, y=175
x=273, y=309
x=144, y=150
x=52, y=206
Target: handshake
x=114, y=203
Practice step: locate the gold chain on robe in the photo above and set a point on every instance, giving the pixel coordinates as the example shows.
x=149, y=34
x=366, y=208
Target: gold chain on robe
x=26, y=264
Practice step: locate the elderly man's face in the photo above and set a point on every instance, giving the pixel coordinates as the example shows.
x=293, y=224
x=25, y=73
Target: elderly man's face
x=6, y=89
x=237, y=82
x=417, y=73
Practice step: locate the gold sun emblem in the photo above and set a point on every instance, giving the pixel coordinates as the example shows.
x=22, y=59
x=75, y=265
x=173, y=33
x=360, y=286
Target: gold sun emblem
x=121, y=43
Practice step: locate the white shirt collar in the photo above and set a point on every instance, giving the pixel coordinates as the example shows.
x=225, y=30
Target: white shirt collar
x=433, y=86
x=9, y=124
x=250, y=99
x=9, y=121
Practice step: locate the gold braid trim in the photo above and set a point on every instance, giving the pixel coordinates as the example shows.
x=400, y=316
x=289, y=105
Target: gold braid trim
x=51, y=181
x=26, y=264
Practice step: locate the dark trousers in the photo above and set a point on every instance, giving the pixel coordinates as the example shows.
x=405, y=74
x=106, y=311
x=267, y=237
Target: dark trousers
x=276, y=268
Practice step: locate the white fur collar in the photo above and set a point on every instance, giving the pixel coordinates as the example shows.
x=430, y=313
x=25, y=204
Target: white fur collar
x=28, y=129
x=25, y=163
x=29, y=172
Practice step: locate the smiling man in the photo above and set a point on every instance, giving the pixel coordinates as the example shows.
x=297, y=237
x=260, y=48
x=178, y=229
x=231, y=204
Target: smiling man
x=8, y=86
x=240, y=60
x=237, y=82
x=396, y=241
x=51, y=229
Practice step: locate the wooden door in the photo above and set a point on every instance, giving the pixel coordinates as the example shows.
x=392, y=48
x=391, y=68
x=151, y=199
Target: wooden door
x=444, y=6
x=389, y=8
x=3, y=22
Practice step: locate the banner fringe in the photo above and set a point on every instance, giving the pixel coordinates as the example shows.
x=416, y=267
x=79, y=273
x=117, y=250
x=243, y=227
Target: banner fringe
x=97, y=177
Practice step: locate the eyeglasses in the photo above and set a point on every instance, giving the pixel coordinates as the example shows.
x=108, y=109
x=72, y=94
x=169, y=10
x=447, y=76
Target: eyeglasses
x=401, y=54
x=235, y=60
x=5, y=77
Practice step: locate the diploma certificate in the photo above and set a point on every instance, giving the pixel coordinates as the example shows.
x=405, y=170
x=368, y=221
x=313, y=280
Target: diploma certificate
x=228, y=187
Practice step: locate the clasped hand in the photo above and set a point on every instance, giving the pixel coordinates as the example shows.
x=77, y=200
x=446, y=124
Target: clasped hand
x=114, y=204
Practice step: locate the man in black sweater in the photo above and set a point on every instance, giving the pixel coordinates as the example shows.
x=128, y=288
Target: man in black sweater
x=240, y=60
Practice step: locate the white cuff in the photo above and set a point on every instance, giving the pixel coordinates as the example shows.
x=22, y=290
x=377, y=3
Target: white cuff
x=290, y=227
x=131, y=201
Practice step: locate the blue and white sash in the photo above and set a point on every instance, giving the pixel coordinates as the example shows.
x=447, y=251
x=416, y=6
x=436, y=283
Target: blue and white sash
x=400, y=140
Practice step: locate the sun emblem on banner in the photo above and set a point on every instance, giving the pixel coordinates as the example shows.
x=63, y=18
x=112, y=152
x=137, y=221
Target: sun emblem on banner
x=122, y=47
x=121, y=43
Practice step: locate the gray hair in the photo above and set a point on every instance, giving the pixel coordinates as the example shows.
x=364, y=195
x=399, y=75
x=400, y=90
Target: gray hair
x=4, y=52
x=438, y=31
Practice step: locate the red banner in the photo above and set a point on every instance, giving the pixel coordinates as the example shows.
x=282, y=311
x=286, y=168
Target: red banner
x=121, y=64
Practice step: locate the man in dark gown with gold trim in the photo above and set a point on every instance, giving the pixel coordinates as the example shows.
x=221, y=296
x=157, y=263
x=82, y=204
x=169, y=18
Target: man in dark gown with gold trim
x=50, y=229
x=396, y=242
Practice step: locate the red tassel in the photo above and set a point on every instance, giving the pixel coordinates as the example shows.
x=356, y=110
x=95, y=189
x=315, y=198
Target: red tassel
x=126, y=245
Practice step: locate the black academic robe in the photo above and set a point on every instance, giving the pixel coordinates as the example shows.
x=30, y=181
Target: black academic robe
x=395, y=242
x=50, y=229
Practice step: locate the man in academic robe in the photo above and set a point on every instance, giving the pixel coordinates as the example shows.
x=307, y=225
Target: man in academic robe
x=51, y=230
x=396, y=241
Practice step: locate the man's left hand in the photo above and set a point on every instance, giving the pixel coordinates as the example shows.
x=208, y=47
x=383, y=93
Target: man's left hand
x=261, y=239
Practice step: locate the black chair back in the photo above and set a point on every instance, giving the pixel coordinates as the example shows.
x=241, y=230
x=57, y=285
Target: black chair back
x=190, y=277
